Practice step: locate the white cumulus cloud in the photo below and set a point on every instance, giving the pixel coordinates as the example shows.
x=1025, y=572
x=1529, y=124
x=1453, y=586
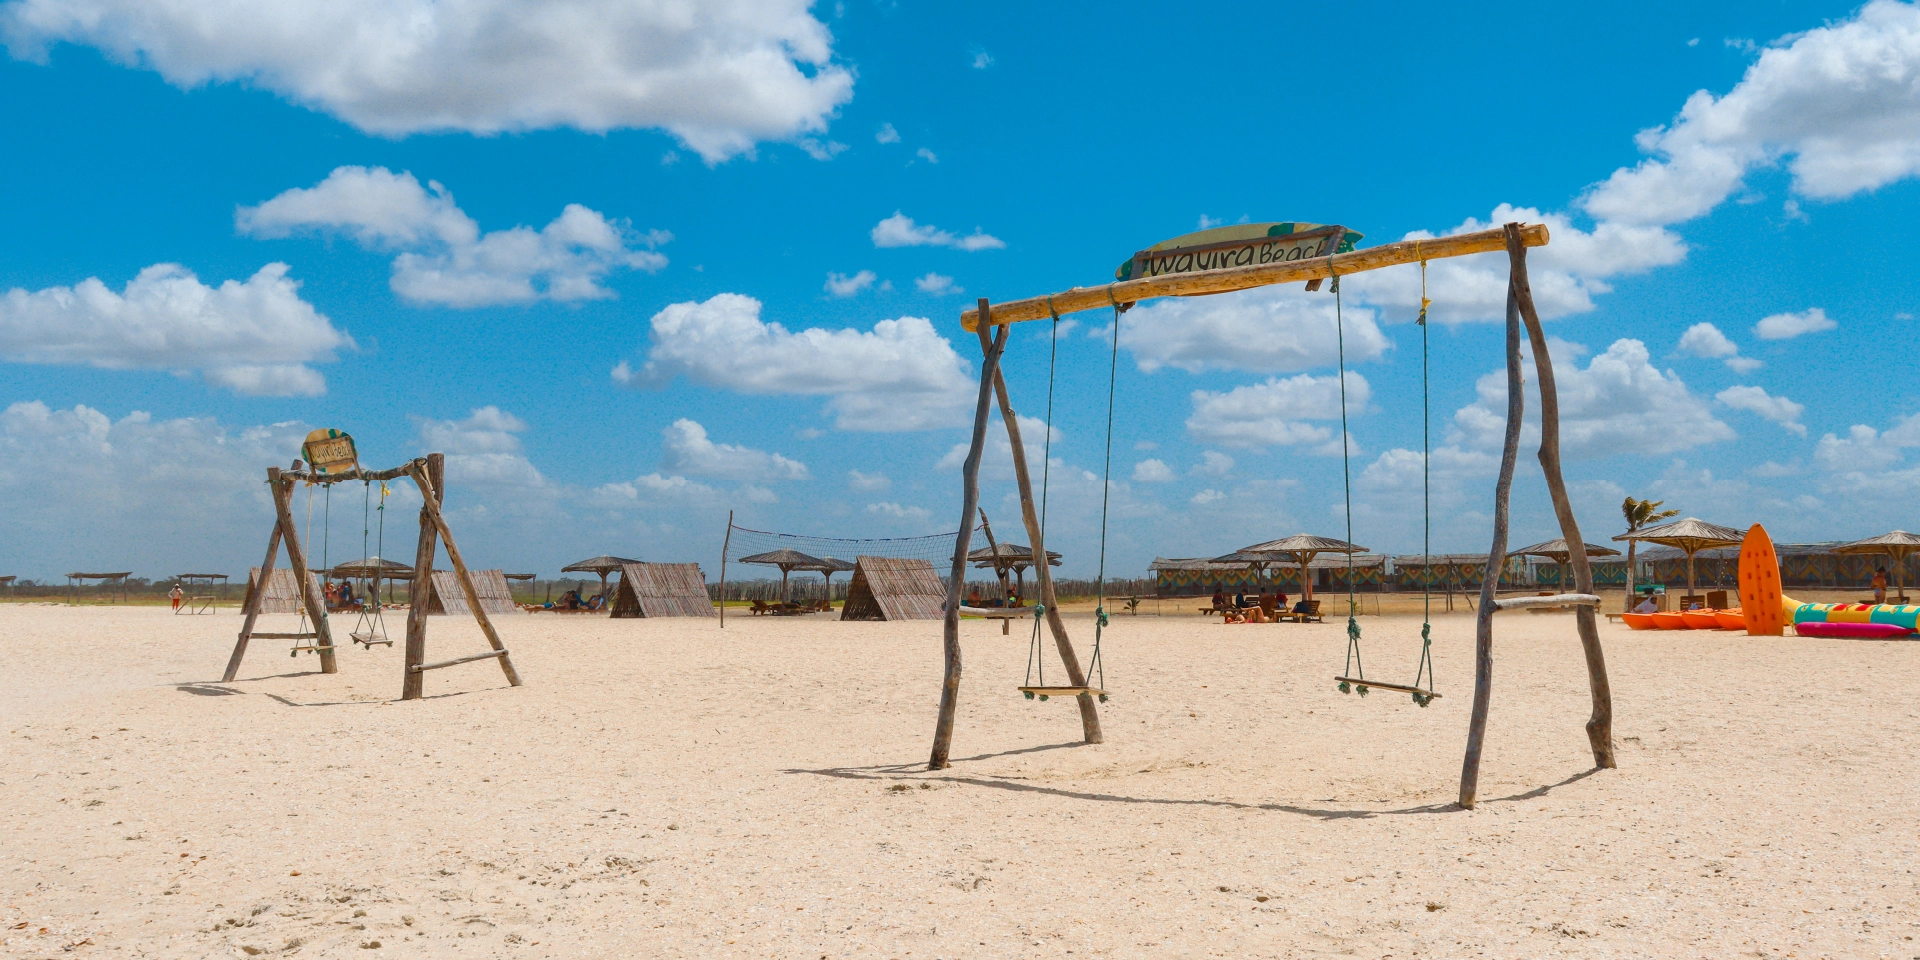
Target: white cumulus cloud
x=686, y=449
x=1706, y=340
x=1839, y=105
x=1277, y=329
x=899, y=230
x=1274, y=413
x=720, y=75
x=901, y=375
x=887, y=134
x=1152, y=471
x=444, y=258
x=937, y=284
x=842, y=285
x=1618, y=404
x=253, y=337
x=860, y=480
x=1756, y=400
x=1786, y=326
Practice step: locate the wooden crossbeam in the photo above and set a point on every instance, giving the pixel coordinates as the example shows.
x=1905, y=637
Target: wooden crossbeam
x=1242, y=278
x=490, y=654
x=1556, y=601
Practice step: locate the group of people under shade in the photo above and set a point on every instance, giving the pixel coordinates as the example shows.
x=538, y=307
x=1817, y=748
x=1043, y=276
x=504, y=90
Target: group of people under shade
x=1241, y=608
x=974, y=599
x=571, y=601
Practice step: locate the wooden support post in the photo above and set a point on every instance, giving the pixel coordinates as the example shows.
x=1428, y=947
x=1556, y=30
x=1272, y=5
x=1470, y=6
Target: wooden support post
x=727, y=544
x=1043, y=574
x=1600, y=725
x=1496, y=560
x=430, y=501
x=999, y=571
x=990, y=349
x=316, y=607
x=255, y=595
x=412, y=684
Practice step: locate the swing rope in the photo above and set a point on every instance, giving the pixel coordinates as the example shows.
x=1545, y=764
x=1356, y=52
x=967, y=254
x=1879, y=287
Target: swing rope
x=1426, y=504
x=1095, y=666
x=1036, y=659
x=1425, y=668
x=1354, y=667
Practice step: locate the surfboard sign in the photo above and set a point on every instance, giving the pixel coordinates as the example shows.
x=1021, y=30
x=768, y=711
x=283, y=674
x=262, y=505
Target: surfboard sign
x=330, y=453
x=1240, y=245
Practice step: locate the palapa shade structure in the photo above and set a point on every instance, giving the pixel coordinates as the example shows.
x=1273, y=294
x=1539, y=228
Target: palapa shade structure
x=1301, y=548
x=788, y=560
x=1689, y=536
x=1557, y=551
x=599, y=565
x=1896, y=545
x=372, y=568
x=828, y=567
x=1009, y=557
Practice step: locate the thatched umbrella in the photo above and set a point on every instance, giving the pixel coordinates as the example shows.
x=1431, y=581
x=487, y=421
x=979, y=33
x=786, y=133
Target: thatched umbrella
x=372, y=568
x=1689, y=536
x=1302, y=548
x=787, y=560
x=1556, y=550
x=1009, y=558
x=827, y=568
x=601, y=566
x=1897, y=545
x=1257, y=563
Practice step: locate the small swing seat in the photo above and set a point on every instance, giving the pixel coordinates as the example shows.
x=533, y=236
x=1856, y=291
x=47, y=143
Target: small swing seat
x=1045, y=692
x=369, y=639
x=1420, y=694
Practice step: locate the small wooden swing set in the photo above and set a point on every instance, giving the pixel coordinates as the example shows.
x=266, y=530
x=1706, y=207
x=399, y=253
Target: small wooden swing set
x=331, y=459
x=1329, y=256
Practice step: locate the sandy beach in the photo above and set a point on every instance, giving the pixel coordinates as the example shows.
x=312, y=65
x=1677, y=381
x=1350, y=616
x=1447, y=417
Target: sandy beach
x=664, y=788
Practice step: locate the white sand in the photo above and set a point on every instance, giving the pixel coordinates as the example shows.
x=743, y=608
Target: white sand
x=663, y=789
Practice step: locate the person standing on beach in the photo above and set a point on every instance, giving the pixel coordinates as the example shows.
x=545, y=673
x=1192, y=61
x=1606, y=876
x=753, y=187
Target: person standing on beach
x=1880, y=585
x=175, y=595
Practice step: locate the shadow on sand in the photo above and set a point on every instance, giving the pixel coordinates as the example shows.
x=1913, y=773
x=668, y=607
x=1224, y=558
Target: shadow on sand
x=918, y=772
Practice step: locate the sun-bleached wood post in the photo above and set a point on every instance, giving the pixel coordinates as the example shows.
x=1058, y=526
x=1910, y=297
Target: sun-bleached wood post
x=431, y=497
x=255, y=595
x=413, y=685
x=1496, y=560
x=1043, y=575
x=990, y=349
x=316, y=607
x=1600, y=725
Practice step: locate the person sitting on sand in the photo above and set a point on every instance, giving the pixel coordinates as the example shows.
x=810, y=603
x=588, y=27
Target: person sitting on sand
x=1256, y=614
x=1880, y=585
x=973, y=597
x=1647, y=605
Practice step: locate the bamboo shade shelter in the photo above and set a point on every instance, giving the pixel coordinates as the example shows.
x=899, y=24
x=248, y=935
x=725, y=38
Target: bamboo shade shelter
x=1896, y=546
x=1556, y=550
x=788, y=560
x=601, y=565
x=894, y=588
x=662, y=590
x=1689, y=536
x=1005, y=558
x=447, y=597
x=1301, y=548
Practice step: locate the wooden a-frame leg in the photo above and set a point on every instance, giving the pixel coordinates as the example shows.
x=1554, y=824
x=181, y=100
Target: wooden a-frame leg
x=412, y=683
x=259, y=590
x=430, y=497
x=1496, y=561
x=1043, y=575
x=316, y=607
x=1600, y=724
x=990, y=349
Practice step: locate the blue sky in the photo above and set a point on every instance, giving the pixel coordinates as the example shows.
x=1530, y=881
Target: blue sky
x=553, y=241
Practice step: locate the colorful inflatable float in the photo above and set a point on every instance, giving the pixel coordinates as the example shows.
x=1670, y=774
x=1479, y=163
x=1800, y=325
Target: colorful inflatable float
x=1766, y=612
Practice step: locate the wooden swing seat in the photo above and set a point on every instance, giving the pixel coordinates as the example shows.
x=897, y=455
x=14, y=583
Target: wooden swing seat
x=368, y=640
x=1377, y=685
x=1045, y=692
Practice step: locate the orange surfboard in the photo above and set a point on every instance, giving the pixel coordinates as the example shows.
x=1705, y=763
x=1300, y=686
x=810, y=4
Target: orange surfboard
x=1760, y=602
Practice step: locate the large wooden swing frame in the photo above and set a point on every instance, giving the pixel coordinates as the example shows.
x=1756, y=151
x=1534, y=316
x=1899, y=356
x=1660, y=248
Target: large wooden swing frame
x=429, y=474
x=1514, y=238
